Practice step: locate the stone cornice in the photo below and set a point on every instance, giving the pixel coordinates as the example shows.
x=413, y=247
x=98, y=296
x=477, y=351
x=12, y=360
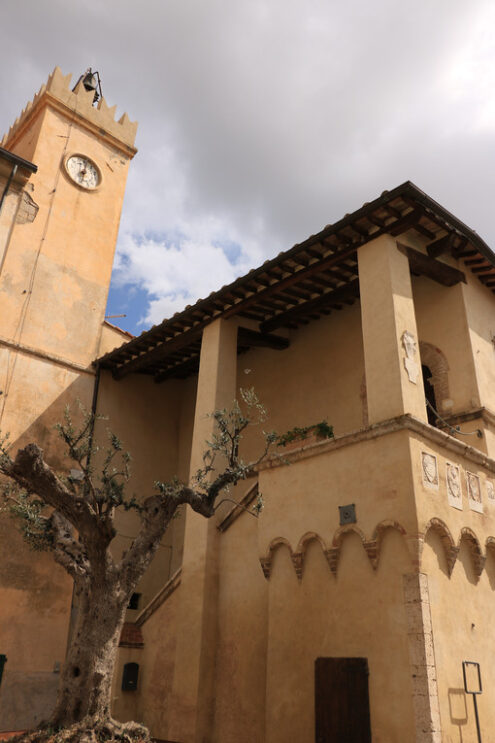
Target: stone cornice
x=384, y=428
x=59, y=360
x=237, y=510
x=486, y=415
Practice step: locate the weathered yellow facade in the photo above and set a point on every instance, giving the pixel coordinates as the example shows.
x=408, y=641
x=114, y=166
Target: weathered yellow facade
x=376, y=544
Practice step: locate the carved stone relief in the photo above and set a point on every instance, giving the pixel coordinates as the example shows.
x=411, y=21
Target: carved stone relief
x=474, y=492
x=454, y=490
x=490, y=490
x=430, y=470
x=410, y=348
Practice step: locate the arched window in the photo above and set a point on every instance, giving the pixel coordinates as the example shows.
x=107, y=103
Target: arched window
x=435, y=378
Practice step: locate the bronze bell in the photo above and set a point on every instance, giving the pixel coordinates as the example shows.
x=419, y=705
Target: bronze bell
x=89, y=80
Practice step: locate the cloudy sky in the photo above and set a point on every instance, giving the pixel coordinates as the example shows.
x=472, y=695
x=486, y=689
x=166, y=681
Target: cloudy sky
x=260, y=121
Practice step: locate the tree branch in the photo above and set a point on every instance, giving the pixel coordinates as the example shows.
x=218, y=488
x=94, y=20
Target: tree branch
x=67, y=551
x=30, y=471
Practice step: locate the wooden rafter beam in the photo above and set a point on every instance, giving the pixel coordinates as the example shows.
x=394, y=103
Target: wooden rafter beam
x=256, y=339
x=178, y=370
x=336, y=297
x=245, y=337
x=290, y=281
x=422, y=264
x=438, y=247
x=160, y=353
x=483, y=270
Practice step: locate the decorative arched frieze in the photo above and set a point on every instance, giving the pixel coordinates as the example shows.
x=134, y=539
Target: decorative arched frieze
x=440, y=528
x=300, y=553
x=468, y=535
x=306, y=539
x=266, y=562
x=343, y=531
x=490, y=545
x=374, y=545
x=338, y=538
x=434, y=359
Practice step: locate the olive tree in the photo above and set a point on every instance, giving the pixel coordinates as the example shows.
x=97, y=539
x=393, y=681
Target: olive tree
x=74, y=518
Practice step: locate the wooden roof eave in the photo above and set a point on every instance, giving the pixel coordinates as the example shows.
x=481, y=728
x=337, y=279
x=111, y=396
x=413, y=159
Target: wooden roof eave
x=286, y=279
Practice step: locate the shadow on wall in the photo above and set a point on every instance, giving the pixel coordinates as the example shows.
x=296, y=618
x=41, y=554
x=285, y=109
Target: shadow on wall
x=458, y=709
x=25, y=698
x=36, y=594
x=42, y=430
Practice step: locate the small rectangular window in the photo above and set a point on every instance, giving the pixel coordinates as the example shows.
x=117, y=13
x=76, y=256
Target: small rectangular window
x=134, y=601
x=130, y=677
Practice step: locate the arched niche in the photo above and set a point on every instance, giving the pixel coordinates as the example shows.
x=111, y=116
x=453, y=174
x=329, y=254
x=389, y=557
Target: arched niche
x=433, y=358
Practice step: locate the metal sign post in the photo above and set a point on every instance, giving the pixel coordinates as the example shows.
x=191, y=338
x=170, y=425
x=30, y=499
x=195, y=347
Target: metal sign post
x=472, y=685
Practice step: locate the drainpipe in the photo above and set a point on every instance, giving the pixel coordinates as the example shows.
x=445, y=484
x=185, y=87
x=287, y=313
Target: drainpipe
x=94, y=404
x=7, y=186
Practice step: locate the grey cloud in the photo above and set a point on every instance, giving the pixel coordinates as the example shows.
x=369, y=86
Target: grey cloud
x=274, y=117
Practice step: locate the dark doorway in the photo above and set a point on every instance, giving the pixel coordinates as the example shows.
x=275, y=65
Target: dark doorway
x=342, y=706
x=429, y=394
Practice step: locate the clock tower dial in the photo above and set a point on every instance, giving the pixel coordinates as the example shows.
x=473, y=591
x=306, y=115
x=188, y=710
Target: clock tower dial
x=83, y=171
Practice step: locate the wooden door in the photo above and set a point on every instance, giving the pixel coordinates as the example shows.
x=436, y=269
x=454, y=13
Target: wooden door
x=342, y=707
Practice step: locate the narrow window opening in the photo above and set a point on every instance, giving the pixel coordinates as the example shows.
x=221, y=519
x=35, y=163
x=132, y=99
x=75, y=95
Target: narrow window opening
x=130, y=677
x=429, y=394
x=134, y=601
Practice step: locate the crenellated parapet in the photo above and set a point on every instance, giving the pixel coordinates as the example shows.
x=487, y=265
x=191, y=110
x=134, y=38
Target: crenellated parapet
x=77, y=103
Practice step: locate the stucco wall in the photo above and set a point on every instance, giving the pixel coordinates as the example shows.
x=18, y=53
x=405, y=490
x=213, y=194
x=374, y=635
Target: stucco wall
x=432, y=502
x=7, y=214
x=242, y=637
x=320, y=376
x=441, y=320
x=462, y=630
x=35, y=593
x=305, y=497
x=360, y=613
x=157, y=661
x=480, y=304
x=146, y=418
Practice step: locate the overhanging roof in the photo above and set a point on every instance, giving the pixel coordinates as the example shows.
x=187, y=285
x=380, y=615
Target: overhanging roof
x=7, y=162
x=309, y=280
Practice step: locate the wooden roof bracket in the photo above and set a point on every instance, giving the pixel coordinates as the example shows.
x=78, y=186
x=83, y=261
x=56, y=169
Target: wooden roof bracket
x=422, y=264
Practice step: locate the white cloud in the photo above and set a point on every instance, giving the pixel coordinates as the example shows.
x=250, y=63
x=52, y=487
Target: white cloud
x=262, y=121
x=177, y=272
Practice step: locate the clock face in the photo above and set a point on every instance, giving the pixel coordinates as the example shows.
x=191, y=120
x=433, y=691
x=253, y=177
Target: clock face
x=83, y=171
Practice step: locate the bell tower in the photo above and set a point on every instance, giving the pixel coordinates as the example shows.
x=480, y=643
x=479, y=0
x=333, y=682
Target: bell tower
x=56, y=268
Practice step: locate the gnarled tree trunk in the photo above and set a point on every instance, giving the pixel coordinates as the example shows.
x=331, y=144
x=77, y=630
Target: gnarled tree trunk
x=86, y=681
